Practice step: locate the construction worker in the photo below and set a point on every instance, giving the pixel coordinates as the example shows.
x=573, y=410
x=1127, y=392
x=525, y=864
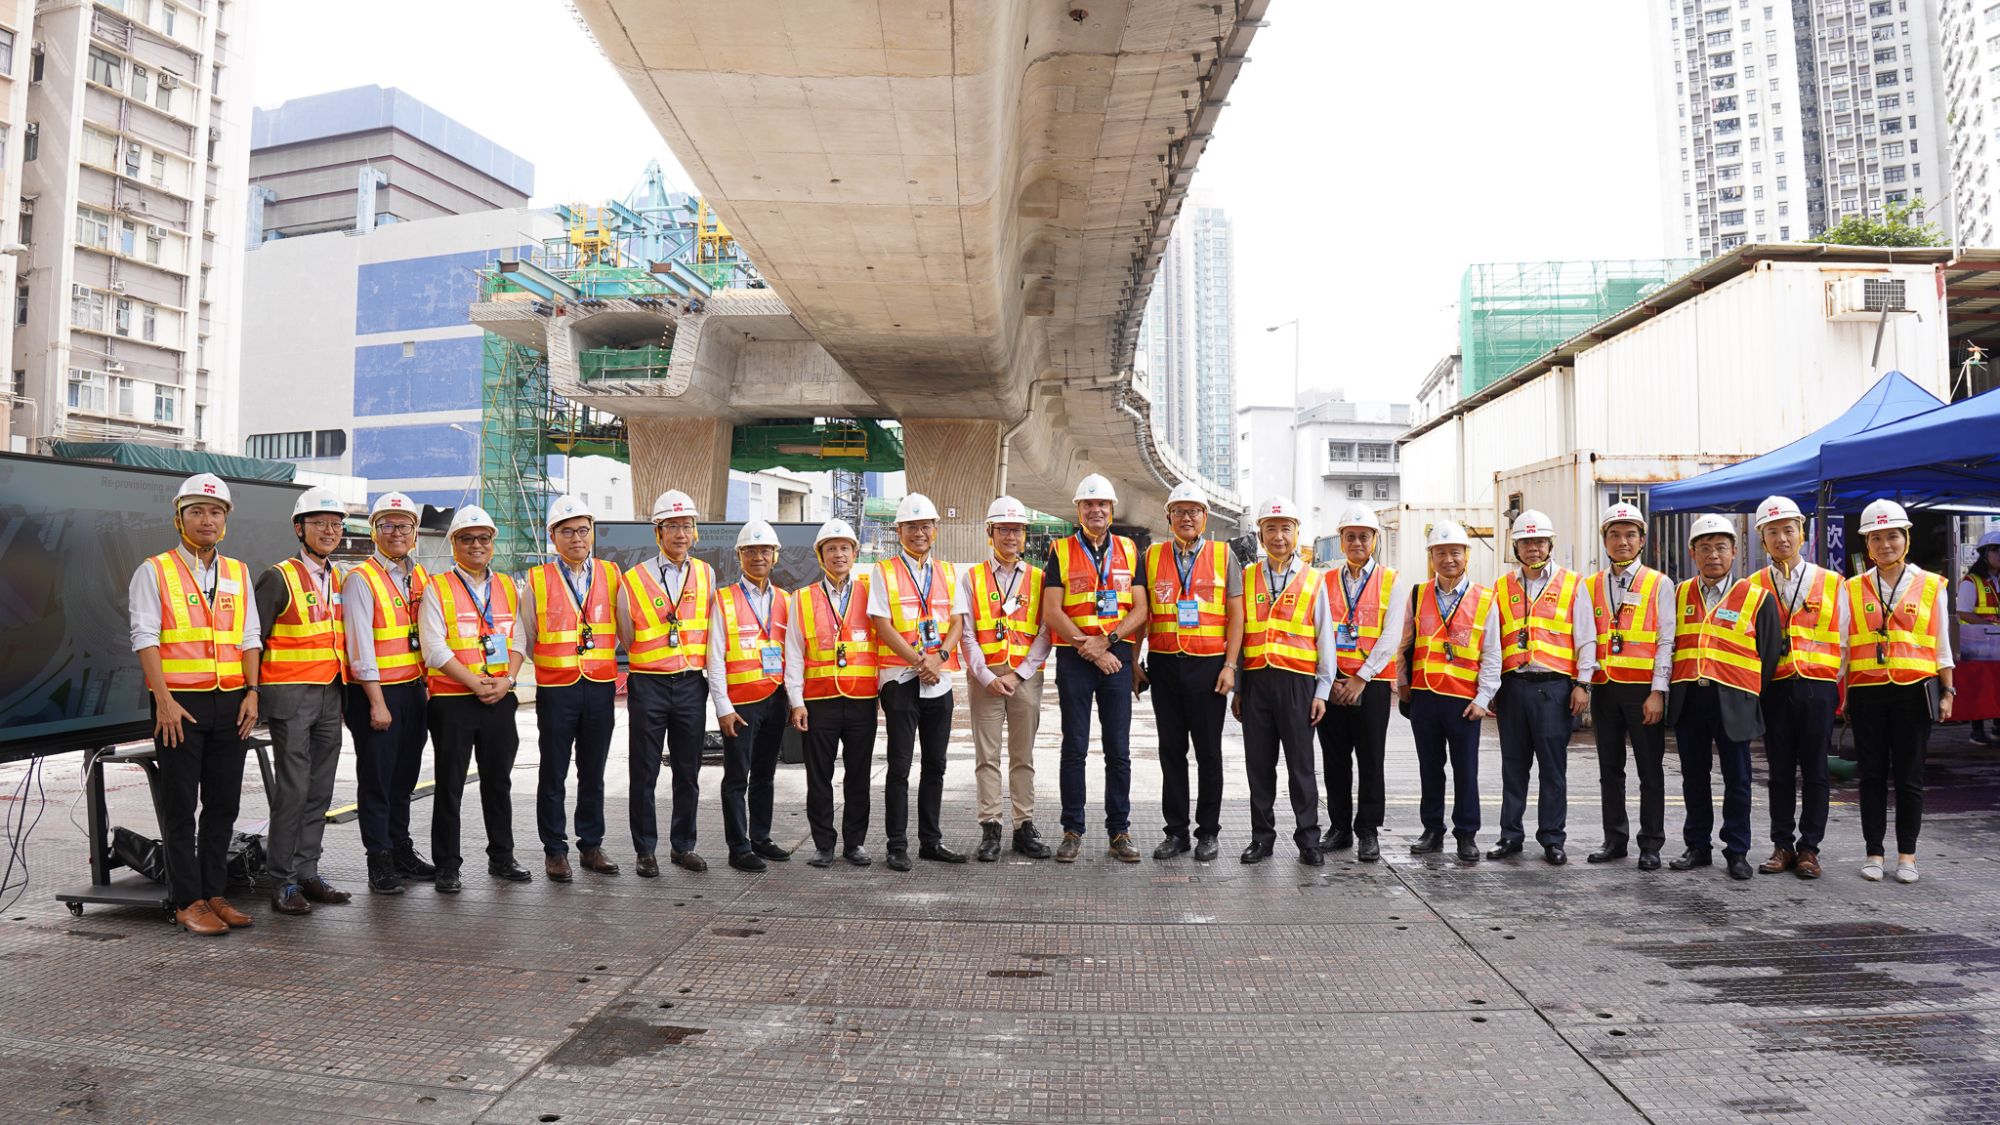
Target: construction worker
x=1288, y=668
x=1727, y=637
x=1799, y=704
x=196, y=630
x=473, y=643
x=1354, y=736
x=569, y=611
x=1979, y=636
x=749, y=621
x=386, y=697
x=1628, y=698
x=915, y=608
x=1004, y=645
x=1092, y=619
x=663, y=612
x=830, y=682
x=1194, y=638
x=1451, y=638
x=1548, y=654
x=300, y=667
x=1899, y=681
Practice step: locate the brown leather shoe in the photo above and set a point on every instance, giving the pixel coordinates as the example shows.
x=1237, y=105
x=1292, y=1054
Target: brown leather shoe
x=556, y=866
x=1807, y=866
x=1122, y=848
x=594, y=859
x=648, y=866
x=290, y=899
x=688, y=861
x=233, y=918
x=199, y=920
x=1781, y=861
x=317, y=889
x=1072, y=843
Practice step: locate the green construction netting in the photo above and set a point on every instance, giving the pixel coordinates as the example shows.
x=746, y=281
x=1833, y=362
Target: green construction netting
x=810, y=447
x=624, y=363
x=177, y=460
x=1512, y=313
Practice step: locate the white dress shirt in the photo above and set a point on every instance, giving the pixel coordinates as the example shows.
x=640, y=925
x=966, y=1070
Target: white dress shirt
x=1622, y=579
x=968, y=640
x=431, y=624
x=1912, y=576
x=717, y=668
x=1582, y=622
x=1396, y=608
x=795, y=646
x=357, y=607
x=580, y=579
x=142, y=597
x=673, y=579
x=878, y=606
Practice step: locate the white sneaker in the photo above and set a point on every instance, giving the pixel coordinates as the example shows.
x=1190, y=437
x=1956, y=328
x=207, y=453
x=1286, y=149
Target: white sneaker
x=1906, y=872
x=1872, y=870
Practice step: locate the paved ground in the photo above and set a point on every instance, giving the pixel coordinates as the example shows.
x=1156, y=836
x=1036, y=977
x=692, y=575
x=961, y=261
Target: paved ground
x=1417, y=991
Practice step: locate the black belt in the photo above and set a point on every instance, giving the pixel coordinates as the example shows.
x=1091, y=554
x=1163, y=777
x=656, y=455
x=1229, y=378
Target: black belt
x=1540, y=677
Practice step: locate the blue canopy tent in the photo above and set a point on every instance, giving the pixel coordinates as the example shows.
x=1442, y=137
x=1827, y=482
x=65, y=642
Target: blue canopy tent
x=1947, y=457
x=1795, y=470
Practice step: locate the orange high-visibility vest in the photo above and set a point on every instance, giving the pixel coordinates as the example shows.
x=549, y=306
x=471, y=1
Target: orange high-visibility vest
x=1890, y=644
x=1636, y=632
x=1719, y=646
x=1281, y=628
x=1005, y=636
x=307, y=644
x=1985, y=594
x=201, y=645
x=907, y=610
x=1082, y=584
x=1446, y=657
x=1541, y=630
x=1812, y=627
x=743, y=641
x=466, y=629
x=658, y=622
x=839, y=649
x=558, y=649
x=1207, y=587
x=398, y=655
x=1366, y=617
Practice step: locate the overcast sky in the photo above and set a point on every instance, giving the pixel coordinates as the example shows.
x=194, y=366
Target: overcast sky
x=1369, y=154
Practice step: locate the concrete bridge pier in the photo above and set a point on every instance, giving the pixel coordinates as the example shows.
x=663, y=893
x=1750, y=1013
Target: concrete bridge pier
x=691, y=454
x=955, y=462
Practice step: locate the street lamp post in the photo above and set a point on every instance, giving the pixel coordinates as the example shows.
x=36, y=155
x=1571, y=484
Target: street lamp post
x=1293, y=324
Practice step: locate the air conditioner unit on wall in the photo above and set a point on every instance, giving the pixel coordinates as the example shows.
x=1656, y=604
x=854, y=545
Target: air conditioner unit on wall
x=116, y=286
x=113, y=366
x=1864, y=298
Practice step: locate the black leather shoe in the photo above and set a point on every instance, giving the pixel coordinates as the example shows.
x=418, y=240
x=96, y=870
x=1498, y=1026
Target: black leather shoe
x=1205, y=848
x=1367, y=848
x=1311, y=856
x=411, y=864
x=647, y=865
x=1606, y=854
x=507, y=869
x=766, y=849
x=1504, y=849
x=1468, y=850
x=746, y=861
x=383, y=878
x=858, y=856
x=1739, y=868
x=1029, y=842
x=1255, y=853
x=823, y=857
x=940, y=853
x=899, y=861
x=1690, y=859
x=1427, y=843
x=1555, y=854
x=1171, y=847
x=447, y=882
x=1649, y=861
x=989, y=842
x=1336, y=840
x=290, y=899
x=689, y=861
x=317, y=889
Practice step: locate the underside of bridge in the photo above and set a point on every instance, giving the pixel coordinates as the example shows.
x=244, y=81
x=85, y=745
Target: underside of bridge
x=961, y=201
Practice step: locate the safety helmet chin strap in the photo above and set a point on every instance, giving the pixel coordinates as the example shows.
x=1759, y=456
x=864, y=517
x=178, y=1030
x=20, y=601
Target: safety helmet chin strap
x=189, y=543
x=299, y=528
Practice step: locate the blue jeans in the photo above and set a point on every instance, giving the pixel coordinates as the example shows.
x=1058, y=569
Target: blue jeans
x=1700, y=726
x=1442, y=733
x=1078, y=685
x=580, y=715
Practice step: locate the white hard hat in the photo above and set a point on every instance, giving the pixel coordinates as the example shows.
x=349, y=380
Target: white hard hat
x=1359, y=515
x=757, y=533
x=1882, y=515
x=674, y=504
x=1711, y=524
x=835, y=529
x=314, y=501
x=203, y=486
x=916, y=506
x=392, y=502
x=1006, y=509
x=1622, y=512
x=1990, y=539
x=1533, y=524
x=470, y=516
x=1187, y=492
x=1775, y=508
x=1447, y=533
x=1277, y=508
x=1094, y=487
x=568, y=508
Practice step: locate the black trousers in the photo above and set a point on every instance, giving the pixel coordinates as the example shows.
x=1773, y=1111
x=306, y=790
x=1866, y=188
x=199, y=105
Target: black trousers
x=1892, y=732
x=1352, y=742
x=1617, y=717
x=1188, y=712
x=670, y=713
x=206, y=772
x=749, y=765
x=912, y=721
x=1443, y=734
x=848, y=727
x=462, y=730
x=1798, y=725
x=1701, y=737
x=1534, y=735
x=387, y=763
x=581, y=715
x=1277, y=715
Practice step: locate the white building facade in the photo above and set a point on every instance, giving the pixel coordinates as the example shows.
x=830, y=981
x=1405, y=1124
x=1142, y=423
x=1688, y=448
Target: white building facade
x=1970, y=33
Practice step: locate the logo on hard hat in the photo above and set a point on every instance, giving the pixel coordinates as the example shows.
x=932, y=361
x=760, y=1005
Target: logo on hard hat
x=1771, y=511
x=208, y=488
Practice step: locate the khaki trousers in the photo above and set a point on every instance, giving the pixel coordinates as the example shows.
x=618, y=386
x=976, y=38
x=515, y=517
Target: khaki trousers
x=1022, y=713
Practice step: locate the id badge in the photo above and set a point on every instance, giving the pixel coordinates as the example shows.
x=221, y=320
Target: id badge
x=1189, y=612
x=1107, y=603
x=334, y=598
x=496, y=648
x=928, y=631
x=1727, y=616
x=1012, y=606
x=1346, y=638
x=774, y=660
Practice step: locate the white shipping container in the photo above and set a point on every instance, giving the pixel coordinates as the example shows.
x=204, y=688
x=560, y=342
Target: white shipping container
x=1405, y=527
x=1573, y=490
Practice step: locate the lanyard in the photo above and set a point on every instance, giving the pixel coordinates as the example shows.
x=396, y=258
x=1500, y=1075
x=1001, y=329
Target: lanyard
x=485, y=607
x=673, y=602
x=1278, y=588
x=322, y=584
x=764, y=619
x=1445, y=615
x=1353, y=592
x=1007, y=591
x=923, y=587
x=1099, y=561
x=588, y=573
x=1186, y=569
x=1798, y=594
x=846, y=598
x=208, y=593
x=1616, y=583
x=1888, y=603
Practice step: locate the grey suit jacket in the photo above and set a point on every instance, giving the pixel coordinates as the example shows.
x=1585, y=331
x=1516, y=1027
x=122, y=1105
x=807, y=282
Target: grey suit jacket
x=1742, y=713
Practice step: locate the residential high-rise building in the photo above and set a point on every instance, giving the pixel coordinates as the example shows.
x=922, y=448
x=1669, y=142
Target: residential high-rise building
x=1188, y=343
x=1969, y=31
x=16, y=36
x=1780, y=119
x=1166, y=343
x=129, y=208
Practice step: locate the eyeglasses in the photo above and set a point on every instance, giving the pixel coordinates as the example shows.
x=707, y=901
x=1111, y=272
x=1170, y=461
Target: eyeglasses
x=325, y=524
x=396, y=528
x=476, y=540
x=675, y=525
x=572, y=533
x=1713, y=548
